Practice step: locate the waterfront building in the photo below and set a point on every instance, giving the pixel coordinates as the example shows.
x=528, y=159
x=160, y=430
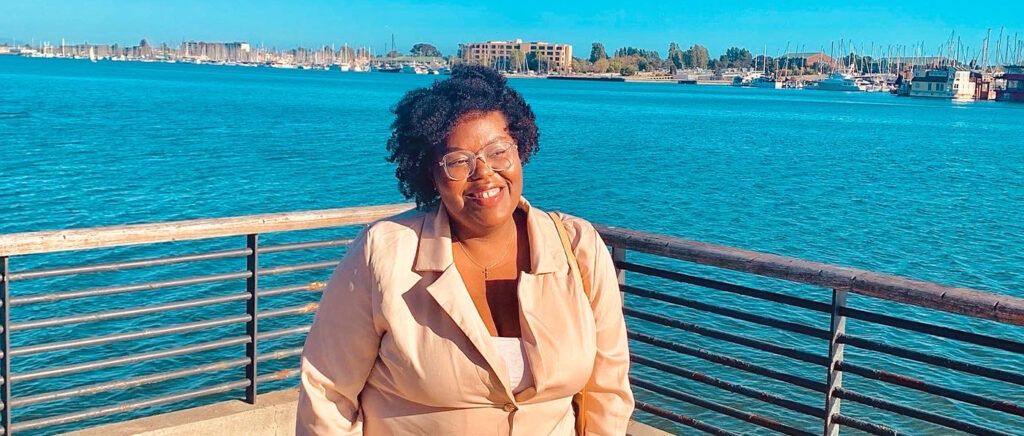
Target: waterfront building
x=512, y=55
x=1013, y=89
x=943, y=82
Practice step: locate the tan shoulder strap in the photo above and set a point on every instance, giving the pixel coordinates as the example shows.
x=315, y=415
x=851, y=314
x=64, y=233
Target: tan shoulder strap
x=574, y=265
x=579, y=400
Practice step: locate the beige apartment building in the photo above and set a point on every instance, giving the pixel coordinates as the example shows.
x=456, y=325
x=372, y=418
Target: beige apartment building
x=511, y=55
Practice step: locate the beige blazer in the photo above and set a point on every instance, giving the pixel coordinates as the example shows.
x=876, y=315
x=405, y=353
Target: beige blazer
x=398, y=348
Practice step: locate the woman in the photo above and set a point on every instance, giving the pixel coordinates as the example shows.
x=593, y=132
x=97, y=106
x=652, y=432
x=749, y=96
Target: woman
x=466, y=318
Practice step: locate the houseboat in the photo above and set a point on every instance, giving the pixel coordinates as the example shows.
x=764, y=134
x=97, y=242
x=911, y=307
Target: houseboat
x=1013, y=90
x=943, y=82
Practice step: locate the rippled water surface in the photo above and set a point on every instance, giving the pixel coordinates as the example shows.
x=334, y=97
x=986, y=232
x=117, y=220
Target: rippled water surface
x=923, y=188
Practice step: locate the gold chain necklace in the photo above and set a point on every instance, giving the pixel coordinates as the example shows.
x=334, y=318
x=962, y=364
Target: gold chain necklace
x=487, y=269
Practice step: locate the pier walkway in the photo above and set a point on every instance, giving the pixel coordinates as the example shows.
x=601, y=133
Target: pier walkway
x=723, y=340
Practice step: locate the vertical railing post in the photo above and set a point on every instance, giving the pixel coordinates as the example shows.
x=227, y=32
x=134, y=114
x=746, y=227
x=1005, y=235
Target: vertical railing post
x=5, y=337
x=251, y=309
x=619, y=255
x=835, y=355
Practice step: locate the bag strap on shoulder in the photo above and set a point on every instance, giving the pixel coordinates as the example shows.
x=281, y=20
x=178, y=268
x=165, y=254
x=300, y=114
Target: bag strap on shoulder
x=574, y=265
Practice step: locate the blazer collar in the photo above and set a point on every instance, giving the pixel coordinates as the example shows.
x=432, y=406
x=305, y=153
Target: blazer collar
x=434, y=251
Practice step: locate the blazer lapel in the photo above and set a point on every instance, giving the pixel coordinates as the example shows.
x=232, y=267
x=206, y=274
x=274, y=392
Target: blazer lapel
x=435, y=254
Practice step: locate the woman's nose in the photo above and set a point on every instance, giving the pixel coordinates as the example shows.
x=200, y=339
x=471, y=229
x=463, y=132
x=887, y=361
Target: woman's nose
x=483, y=169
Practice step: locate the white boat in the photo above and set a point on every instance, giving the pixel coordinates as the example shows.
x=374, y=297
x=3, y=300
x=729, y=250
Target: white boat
x=764, y=82
x=835, y=82
x=944, y=82
x=413, y=69
x=344, y=66
x=92, y=54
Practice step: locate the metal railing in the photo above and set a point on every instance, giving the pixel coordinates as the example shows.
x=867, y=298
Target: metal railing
x=660, y=306
x=1001, y=354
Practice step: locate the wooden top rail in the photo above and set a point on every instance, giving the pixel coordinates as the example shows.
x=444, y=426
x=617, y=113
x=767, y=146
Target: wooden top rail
x=17, y=244
x=965, y=301
x=972, y=302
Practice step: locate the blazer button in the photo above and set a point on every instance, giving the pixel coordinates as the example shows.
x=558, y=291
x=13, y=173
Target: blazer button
x=509, y=407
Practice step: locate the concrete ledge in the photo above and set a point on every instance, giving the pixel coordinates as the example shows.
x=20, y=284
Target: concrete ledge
x=273, y=415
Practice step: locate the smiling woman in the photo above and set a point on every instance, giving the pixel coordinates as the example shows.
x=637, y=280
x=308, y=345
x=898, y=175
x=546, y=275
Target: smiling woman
x=477, y=314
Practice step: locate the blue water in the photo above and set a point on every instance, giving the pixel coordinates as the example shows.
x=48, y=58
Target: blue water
x=928, y=189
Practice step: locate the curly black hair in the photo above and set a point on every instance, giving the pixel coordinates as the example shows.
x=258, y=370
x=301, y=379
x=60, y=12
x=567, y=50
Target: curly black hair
x=424, y=119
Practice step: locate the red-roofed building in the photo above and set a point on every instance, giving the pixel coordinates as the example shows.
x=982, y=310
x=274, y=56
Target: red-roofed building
x=1014, y=88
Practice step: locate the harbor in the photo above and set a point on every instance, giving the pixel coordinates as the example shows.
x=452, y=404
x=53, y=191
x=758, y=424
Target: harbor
x=772, y=201
x=955, y=72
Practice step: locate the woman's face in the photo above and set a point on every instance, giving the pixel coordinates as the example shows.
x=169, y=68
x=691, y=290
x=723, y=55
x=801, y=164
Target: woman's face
x=473, y=204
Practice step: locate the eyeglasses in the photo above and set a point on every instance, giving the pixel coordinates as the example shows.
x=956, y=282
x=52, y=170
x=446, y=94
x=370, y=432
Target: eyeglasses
x=460, y=165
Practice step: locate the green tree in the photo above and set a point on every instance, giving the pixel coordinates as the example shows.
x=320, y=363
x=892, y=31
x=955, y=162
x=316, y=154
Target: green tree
x=580, y=65
x=597, y=52
x=675, y=56
x=517, y=58
x=532, y=61
x=424, y=49
x=699, y=56
x=627, y=70
x=736, y=57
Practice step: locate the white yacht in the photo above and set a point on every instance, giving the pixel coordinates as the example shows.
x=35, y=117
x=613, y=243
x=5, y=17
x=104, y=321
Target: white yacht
x=765, y=82
x=836, y=82
x=413, y=69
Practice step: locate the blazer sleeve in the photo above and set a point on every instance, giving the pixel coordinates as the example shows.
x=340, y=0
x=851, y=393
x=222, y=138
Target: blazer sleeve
x=341, y=348
x=609, y=402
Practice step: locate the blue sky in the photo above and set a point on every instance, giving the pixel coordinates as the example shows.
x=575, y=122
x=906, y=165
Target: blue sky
x=651, y=25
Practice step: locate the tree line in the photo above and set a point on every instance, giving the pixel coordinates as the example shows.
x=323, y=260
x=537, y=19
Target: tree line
x=630, y=60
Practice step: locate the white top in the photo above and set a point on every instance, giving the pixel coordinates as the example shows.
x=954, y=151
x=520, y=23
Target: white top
x=519, y=375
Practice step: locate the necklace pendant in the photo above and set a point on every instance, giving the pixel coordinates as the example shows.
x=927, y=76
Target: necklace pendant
x=486, y=273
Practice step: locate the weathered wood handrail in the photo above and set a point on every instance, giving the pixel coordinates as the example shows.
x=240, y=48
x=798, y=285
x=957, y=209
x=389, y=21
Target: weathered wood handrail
x=17, y=244
x=998, y=307
x=966, y=301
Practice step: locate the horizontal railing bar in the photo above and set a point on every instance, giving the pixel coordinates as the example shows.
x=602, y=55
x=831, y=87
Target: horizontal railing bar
x=912, y=412
x=868, y=427
x=934, y=330
x=724, y=286
x=128, y=264
x=278, y=375
x=308, y=287
x=729, y=361
x=147, y=333
x=283, y=332
x=128, y=383
x=931, y=388
x=149, y=286
x=122, y=313
x=965, y=301
x=683, y=419
x=729, y=337
x=17, y=244
x=741, y=415
x=298, y=267
x=294, y=310
x=731, y=387
x=970, y=368
x=279, y=354
x=88, y=366
x=126, y=407
x=295, y=246
x=731, y=313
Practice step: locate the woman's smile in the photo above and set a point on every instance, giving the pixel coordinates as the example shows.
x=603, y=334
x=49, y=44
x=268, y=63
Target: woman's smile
x=487, y=197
